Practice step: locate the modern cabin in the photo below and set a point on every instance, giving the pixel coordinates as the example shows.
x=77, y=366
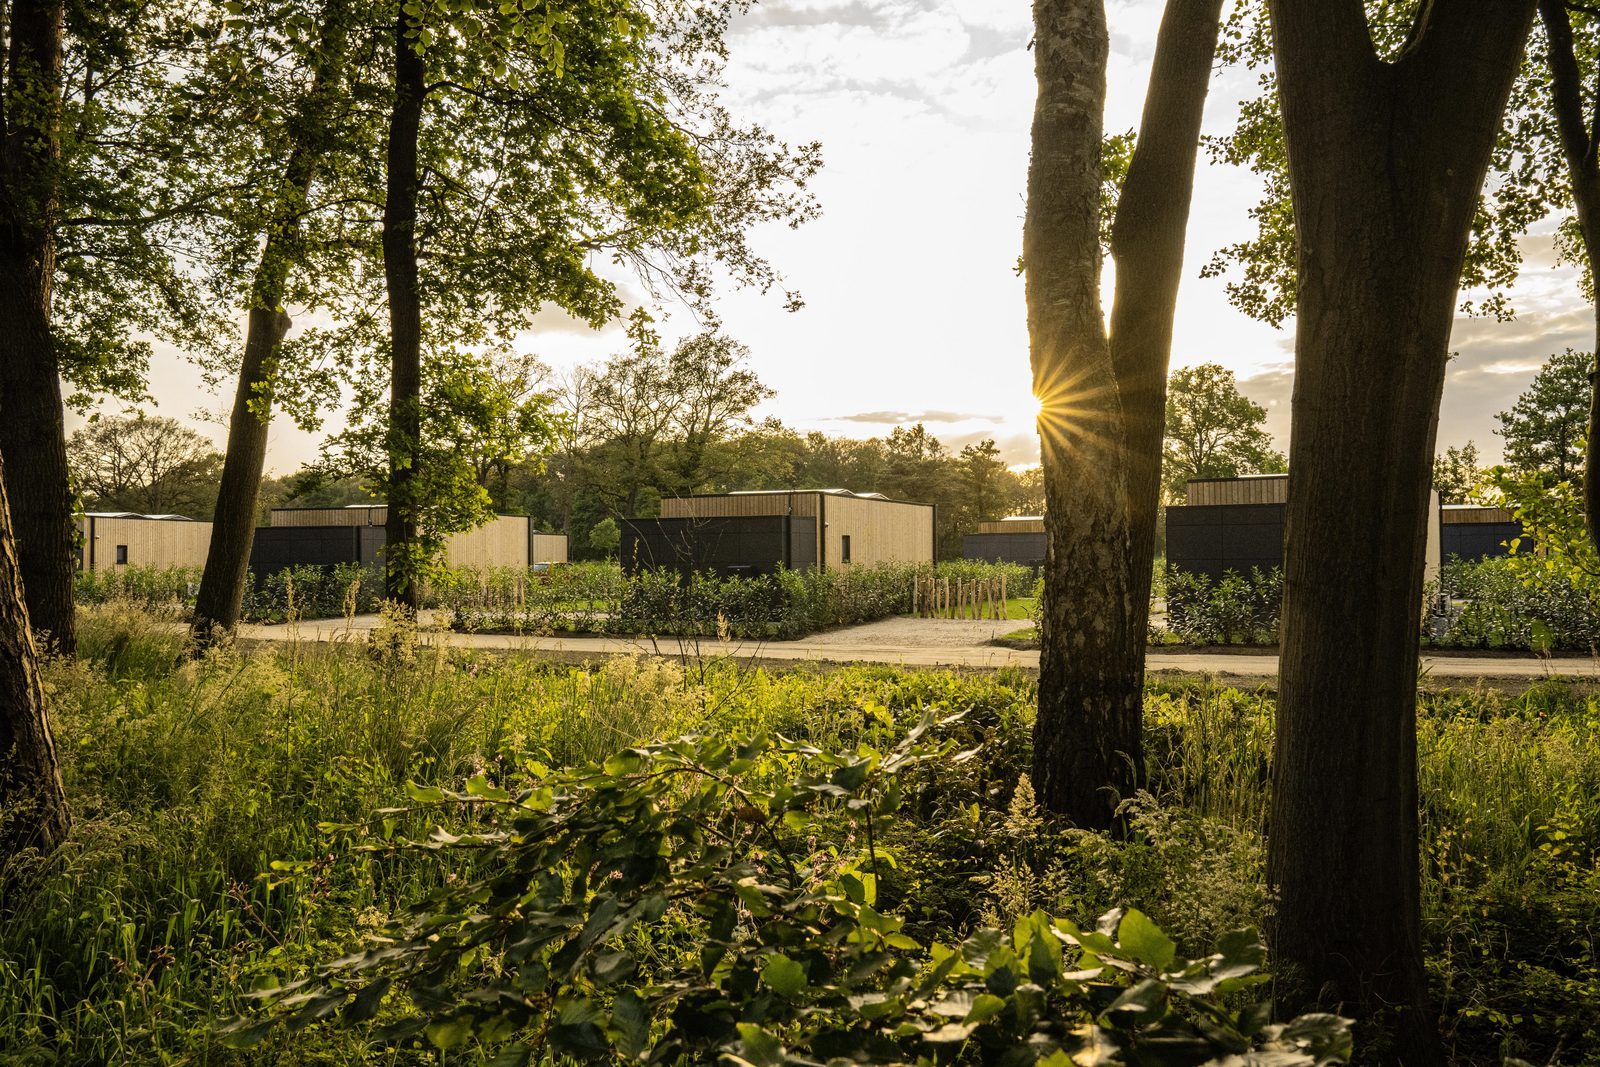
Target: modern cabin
x=112, y=539
x=1018, y=539
x=1472, y=533
x=759, y=532
x=1237, y=524
x=355, y=534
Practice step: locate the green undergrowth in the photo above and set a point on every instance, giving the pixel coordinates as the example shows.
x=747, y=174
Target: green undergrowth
x=206, y=858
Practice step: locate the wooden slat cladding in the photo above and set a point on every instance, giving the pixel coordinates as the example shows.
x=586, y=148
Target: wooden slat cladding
x=547, y=548
x=1012, y=526
x=149, y=542
x=500, y=542
x=803, y=504
x=880, y=531
x=374, y=515
x=1264, y=489
x=1452, y=516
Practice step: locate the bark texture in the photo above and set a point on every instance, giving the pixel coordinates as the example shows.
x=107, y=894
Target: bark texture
x=33, y=806
x=1580, y=147
x=1086, y=742
x=1147, y=244
x=32, y=435
x=405, y=316
x=1386, y=161
x=233, y=525
x=1103, y=400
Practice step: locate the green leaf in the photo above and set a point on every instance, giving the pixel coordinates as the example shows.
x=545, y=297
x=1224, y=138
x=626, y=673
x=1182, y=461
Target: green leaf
x=630, y=1024
x=783, y=975
x=985, y=1006
x=1142, y=939
x=448, y=1033
x=760, y=1048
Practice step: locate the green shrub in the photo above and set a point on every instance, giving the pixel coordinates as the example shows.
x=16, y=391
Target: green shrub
x=668, y=906
x=599, y=598
x=1514, y=603
x=161, y=589
x=1232, y=610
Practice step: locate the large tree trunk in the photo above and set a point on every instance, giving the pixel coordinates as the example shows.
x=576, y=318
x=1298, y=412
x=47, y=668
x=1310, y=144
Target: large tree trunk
x=233, y=526
x=1103, y=402
x=32, y=434
x=405, y=318
x=33, y=806
x=1582, y=153
x=1386, y=161
x=1086, y=739
x=1147, y=243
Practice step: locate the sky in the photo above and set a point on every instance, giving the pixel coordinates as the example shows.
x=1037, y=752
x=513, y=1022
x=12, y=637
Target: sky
x=913, y=309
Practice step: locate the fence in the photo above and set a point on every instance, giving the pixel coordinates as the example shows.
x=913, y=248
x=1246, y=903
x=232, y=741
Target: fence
x=934, y=597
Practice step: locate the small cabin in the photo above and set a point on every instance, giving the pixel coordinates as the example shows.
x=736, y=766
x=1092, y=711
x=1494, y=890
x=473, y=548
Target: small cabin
x=1237, y=524
x=355, y=534
x=113, y=539
x=1017, y=539
x=749, y=533
x=1472, y=533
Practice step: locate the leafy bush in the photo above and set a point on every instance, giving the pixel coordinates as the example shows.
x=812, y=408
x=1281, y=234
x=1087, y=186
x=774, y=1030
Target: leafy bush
x=309, y=592
x=161, y=589
x=1508, y=602
x=669, y=906
x=1232, y=610
x=599, y=598
x=305, y=592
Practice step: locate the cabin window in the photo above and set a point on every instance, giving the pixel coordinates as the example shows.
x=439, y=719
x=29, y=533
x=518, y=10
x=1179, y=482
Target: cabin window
x=122, y=553
x=844, y=549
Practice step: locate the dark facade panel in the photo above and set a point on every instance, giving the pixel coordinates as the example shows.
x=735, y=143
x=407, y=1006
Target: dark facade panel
x=1213, y=539
x=278, y=548
x=725, y=545
x=1024, y=548
x=1474, y=541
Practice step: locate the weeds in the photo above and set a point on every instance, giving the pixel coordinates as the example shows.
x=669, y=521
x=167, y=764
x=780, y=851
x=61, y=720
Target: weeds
x=199, y=867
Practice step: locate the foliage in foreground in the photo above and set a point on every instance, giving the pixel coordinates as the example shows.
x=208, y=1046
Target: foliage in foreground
x=672, y=904
x=189, y=780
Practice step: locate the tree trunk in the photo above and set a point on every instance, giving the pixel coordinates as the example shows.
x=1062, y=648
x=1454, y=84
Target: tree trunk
x=1147, y=243
x=1386, y=161
x=233, y=526
x=1579, y=148
x=1087, y=748
x=405, y=318
x=33, y=805
x=1103, y=401
x=32, y=433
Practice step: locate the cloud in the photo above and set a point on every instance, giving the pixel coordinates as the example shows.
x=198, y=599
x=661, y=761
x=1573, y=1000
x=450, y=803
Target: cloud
x=899, y=418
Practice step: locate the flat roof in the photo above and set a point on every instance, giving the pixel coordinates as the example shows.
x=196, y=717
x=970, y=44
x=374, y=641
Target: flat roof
x=1238, y=478
x=802, y=492
x=169, y=517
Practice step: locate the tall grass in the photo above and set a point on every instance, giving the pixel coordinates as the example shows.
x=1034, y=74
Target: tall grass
x=190, y=781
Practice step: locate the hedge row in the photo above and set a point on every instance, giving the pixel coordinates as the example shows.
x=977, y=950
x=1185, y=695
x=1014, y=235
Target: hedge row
x=305, y=592
x=598, y=598
x=576, y=597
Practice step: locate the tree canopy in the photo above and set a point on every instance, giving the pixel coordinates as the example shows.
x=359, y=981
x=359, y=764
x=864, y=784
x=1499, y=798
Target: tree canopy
x=1545, y=429
x=1213, y=430
x=153, y=465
